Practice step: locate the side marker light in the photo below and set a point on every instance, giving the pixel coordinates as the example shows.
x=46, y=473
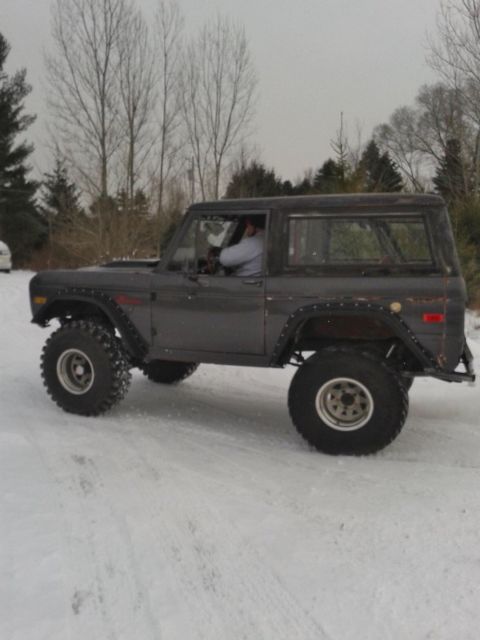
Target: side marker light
x=433, y=318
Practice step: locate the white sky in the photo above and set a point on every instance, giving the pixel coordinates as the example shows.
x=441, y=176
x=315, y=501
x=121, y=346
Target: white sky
x=314, y=59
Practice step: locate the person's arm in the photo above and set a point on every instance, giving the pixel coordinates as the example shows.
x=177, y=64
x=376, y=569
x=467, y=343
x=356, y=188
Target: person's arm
x=235, y=255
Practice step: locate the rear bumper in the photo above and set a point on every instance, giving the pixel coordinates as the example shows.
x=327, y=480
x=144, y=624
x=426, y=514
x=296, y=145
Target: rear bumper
x=455, y=376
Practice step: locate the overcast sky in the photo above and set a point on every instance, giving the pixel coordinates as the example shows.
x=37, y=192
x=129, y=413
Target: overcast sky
x=314, y=59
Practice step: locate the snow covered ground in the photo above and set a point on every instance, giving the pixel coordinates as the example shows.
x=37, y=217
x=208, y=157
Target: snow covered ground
x=198, y=512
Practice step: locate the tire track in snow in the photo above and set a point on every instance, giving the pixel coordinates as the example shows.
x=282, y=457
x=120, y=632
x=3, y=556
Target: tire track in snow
x=217, y=565
x=107, y=599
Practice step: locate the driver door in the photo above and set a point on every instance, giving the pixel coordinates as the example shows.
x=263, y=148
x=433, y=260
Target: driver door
x=196, y=310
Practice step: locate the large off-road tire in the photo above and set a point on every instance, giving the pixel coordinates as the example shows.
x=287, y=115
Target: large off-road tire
x=168, y=372
x=85, y=368
x=343, y=401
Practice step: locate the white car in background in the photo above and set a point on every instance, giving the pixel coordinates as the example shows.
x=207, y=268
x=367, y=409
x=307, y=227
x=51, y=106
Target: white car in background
x=5, y=258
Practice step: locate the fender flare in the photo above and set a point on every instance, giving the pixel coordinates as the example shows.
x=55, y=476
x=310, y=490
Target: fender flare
x=326, y=309
x=131, y=338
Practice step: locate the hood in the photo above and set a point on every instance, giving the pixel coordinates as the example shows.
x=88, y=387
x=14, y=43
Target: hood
x=131, y=275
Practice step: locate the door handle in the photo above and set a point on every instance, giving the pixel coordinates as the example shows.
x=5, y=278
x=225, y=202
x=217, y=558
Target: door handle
x=254, y=283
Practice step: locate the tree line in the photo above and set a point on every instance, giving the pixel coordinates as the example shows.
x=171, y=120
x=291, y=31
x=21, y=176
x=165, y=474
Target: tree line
x=144, y=118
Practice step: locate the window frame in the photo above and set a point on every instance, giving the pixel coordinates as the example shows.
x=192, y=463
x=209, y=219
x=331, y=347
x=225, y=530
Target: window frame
x=360, y=268
x=196, y=217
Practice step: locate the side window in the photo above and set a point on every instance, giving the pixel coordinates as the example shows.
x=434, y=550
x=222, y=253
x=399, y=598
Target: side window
x=203, y=233
x=410, y=240
x=319, y=241
x=307, y=241
x=354, y=241
x=323, y=241
x=184, y=257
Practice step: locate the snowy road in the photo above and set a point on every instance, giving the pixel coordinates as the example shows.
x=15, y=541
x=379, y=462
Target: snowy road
x=196, y=512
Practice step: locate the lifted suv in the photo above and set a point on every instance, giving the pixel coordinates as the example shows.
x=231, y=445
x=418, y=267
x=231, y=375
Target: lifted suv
x=362, y=293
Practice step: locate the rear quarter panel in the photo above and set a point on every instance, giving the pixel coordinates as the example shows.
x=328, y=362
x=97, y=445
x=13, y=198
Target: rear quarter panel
x=429, y=295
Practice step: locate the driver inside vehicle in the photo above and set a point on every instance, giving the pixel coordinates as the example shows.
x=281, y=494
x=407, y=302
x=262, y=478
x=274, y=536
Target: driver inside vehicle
x=244, y=259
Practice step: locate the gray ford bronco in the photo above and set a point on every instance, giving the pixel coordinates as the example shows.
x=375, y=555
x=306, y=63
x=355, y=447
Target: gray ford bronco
x=362, y=293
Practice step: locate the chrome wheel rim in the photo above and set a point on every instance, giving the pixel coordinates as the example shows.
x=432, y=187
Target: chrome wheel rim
x=75, y=372
x=344, y=404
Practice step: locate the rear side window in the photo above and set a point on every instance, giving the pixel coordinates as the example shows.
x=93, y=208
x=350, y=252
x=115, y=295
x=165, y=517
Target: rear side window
x=322, y=241
x=410, y=240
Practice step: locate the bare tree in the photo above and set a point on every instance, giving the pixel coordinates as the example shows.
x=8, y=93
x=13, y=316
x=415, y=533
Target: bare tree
x=399, y=139
x=102, y=97
x=83, y=82
x=169, y=28
x=417, y=137
x=137, y=94
x=455, y=56
x=218, y=96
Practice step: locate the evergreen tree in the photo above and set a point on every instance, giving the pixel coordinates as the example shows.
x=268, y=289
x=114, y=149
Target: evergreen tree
x=137, y=208
x=379, y=172
x=254, y=181
x=21, y=225
x=302, y=188
x=329, y=178
x=449, y=178
x=60, y=198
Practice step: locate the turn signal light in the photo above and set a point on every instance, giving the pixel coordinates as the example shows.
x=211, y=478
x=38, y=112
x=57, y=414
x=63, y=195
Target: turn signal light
x=39, y=300
x=434, y=318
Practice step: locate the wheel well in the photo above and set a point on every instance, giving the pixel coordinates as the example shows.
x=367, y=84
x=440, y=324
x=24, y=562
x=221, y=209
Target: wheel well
x=76, y=310
x=349, y=327
x=367, y=332
x=66, y=309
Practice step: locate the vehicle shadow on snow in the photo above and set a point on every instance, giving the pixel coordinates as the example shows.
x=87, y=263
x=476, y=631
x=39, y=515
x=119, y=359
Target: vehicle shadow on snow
x=255, y=414
x=243, y=414
x=439, y=431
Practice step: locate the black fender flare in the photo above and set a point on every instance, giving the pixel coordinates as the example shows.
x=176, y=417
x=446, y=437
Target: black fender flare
x=399, y=327
x=131, y=338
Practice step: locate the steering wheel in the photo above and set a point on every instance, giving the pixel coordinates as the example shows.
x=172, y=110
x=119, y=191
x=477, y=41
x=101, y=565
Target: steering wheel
x=213, y=262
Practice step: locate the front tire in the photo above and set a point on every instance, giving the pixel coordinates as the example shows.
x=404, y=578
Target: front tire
x=84, y=368
x=343, y=401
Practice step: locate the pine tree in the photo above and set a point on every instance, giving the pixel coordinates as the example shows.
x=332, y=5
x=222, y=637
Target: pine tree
x=328, y=178
x=379, y=172
x=21, y=225
x=137, y=208
x=301, y=188
x=449, y=179
x=60, y=198
x=254, y=181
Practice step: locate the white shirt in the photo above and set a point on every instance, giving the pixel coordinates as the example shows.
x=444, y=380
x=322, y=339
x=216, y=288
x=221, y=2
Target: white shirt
x=246, y=256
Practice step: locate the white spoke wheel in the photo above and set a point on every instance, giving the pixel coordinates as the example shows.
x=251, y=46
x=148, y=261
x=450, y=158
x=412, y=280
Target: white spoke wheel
x=346, y=401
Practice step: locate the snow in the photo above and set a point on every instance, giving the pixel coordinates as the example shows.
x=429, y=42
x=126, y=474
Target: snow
x=198, y=512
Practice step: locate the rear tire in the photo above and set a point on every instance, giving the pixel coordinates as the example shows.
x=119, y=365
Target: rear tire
x=84, y=368
x=343, y=401
x=168, y=372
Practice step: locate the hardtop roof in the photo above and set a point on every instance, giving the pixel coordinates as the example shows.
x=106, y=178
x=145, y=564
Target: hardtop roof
x=330, y=201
